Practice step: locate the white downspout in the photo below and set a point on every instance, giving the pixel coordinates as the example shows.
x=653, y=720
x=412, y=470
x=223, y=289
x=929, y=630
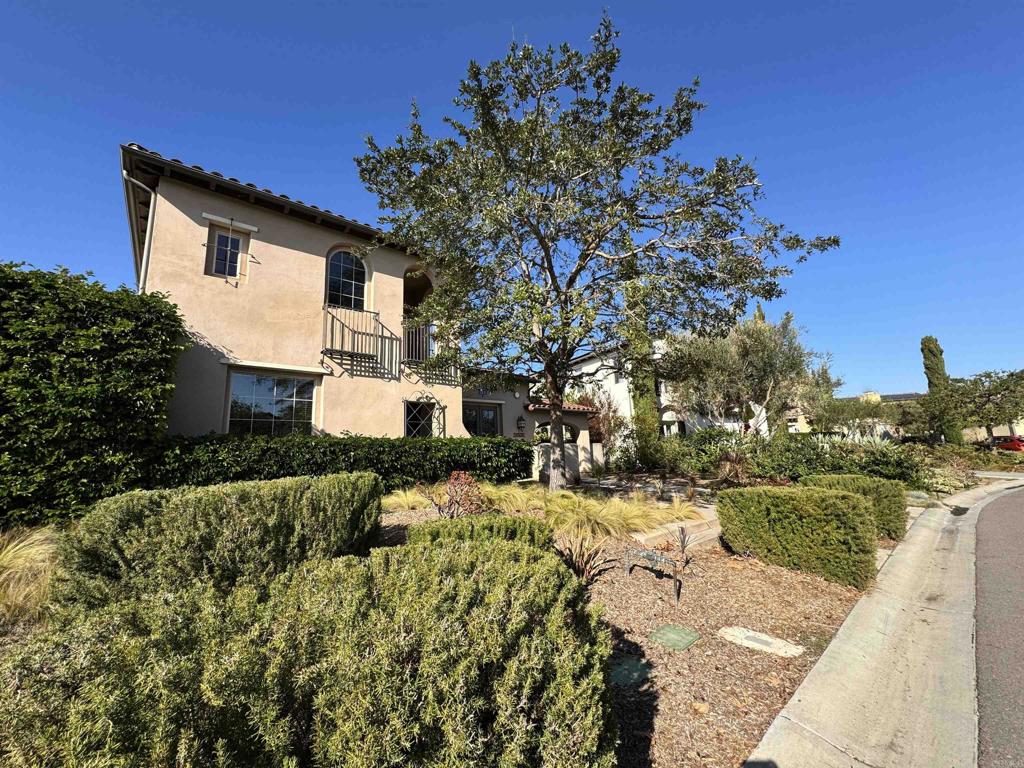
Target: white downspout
x=144, y=268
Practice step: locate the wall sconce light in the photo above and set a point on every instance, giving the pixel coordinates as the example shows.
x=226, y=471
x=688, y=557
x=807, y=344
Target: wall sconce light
x=521, y=424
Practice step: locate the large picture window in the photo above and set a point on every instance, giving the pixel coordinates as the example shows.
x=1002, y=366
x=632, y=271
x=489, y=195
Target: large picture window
x=264, y=404
x=346, y=281
x=481, y=419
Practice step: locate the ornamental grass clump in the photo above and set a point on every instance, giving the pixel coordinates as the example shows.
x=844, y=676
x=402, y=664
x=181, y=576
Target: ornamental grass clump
x=27, y=559
x=830, y=533
x=886, y=497
x=471, y=653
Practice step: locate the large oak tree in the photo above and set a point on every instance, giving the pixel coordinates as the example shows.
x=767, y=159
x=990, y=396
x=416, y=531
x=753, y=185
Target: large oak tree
x=562, y=220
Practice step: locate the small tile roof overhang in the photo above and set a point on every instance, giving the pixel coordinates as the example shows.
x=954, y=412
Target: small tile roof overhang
x=148, y=167
x=567, y=407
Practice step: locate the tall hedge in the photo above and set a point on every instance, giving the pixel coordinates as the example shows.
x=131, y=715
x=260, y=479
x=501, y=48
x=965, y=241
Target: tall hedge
x=399, y=462
x=830, y=533
x=887, y=497
x=525, y=530
x=85, y=377
x=463, y=654
x=226, y=535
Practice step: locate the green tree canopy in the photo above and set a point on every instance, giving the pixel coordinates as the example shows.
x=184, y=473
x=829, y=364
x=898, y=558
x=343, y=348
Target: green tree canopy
x=560, y=217
x=759, y=366
x=990, y=399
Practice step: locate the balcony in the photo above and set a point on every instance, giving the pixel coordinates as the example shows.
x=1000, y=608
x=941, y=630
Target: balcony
x=352, y=333
x=417, y=343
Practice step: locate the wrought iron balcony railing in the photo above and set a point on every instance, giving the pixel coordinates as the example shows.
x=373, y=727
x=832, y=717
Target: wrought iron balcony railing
x=417, y=343
x=353, y=332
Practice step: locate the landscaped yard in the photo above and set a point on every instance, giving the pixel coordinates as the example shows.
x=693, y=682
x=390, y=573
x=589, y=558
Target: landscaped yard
x=709, y=704
x=681, y=694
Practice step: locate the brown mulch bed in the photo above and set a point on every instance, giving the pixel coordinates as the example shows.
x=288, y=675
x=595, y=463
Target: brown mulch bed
x=710, y=704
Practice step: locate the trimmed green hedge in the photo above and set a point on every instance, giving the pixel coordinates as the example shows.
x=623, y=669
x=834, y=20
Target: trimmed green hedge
x=470, y=653
x=227, y=535
x=830, y=533
x=399, y=462
x=85, y=376
x=888, y=499
x=526, y=530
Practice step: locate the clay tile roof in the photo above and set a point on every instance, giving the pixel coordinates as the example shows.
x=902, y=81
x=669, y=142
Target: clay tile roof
x=568, y=407
x=368, y=229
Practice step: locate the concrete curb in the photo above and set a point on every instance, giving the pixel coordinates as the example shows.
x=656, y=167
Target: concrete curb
x=897, y=685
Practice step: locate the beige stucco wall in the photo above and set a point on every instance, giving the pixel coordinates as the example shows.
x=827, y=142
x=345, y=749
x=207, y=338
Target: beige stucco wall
x=272, y=316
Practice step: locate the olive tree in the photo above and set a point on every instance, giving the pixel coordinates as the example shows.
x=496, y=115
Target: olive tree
x=557, y=210
x=759, y=366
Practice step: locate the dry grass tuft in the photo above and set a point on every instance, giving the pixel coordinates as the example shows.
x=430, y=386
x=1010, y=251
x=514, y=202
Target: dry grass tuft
x=27, y=560
x=410, y=499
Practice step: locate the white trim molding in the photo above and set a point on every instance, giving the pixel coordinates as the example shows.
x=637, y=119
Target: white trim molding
x=233, y=223
x=283, y=367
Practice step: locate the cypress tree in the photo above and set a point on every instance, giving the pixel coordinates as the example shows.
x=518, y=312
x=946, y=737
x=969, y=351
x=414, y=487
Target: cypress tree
x=938, y=384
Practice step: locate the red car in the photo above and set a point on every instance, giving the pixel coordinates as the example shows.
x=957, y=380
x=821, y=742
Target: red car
x=1015, y=443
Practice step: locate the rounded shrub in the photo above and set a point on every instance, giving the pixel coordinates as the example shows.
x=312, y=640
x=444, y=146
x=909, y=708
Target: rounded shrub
x=467, y=653
x=887, y=498
x=830, y=533
x=227, y=535
x=525, y=530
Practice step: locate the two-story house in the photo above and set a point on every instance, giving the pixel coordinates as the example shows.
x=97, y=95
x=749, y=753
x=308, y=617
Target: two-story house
x=296, y=326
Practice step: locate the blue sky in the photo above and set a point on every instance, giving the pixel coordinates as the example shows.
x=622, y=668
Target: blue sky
x=897, y=126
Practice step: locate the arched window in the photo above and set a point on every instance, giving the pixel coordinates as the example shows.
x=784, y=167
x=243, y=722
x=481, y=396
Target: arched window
x=346, y=281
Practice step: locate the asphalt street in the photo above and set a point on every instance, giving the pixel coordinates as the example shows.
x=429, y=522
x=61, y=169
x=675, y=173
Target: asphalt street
x=1000, y=632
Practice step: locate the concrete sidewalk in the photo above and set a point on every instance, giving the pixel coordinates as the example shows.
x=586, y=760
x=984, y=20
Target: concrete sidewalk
x=896, y=687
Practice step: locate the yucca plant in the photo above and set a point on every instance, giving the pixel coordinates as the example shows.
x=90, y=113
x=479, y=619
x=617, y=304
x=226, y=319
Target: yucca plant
x=27, y=559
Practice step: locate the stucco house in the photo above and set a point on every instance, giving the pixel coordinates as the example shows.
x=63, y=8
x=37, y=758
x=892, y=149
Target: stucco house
x=604, y=370
x=295, y=327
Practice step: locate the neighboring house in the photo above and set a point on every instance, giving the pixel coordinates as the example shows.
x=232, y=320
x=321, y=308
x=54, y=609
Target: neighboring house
x=295, y=327
x=606, y=373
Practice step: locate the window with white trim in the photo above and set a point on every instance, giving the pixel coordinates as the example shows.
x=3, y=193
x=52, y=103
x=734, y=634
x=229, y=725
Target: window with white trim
x=225, y=252
x=268, y=404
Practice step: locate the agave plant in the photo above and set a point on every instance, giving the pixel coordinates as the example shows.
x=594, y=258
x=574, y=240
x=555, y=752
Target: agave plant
x=27, y=560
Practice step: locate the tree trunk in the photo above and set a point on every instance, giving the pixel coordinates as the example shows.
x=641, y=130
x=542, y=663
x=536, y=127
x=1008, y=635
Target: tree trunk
x=990, y=432
x=556, y=465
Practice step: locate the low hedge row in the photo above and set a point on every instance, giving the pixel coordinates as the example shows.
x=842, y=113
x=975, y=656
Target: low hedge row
x=888, y=499
x=790, y=456
x=227, y=535
x=830, y=533
x=525, y=530
x=462, y=654
x=399, y=462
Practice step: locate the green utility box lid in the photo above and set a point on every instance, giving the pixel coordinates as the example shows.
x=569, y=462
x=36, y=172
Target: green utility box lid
x=674, y=636
x=629, y=672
